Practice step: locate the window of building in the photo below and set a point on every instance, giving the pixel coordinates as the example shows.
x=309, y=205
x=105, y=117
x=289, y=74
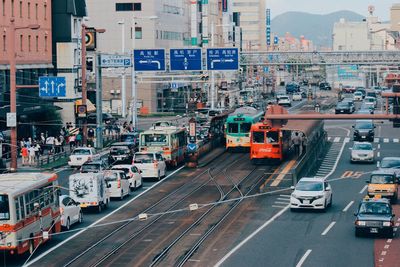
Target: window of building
x=137, y=6
x=12, y=8
x=36, y=10
x=128, y=6
x=29, y=43
x=21, y=38
x=45, y=11
x=45, y=43
x=29, y=10
x=37, y=43
x=20, y=9
x=4, y=7
x=138, y=33
x=4, y=43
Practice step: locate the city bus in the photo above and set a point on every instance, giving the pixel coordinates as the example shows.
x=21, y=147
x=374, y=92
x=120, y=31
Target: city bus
x=238, y=126
x=28, y=207
x=171, y=141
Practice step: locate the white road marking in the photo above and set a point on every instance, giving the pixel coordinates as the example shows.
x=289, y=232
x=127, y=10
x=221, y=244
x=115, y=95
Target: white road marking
x=336, y=162
x=386, y=140
x=383, y=253
x=44, y=254
x=379, y=146
x=395, y=140
x=303, y=259
x=347, y=139
x=386, y=246
x=284, y=199
x=376, y=140
x=389, y=240
x=378, y=154
x=329, y=138
x=348, y=206
x=328, y=228
x=194, y=260
x=278, y=206
x=363, y=189
x=230, y=253
x=285, y=196
x=280, y=202
x=336, y=140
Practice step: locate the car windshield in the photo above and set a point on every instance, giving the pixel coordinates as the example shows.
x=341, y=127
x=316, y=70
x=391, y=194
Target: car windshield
x=81, y=152
x=110, y=176
x=343, y=105
x=390, y=163
x=154, y=139
x=128, y=138
x=364, y=125
x=90, y=167
x=362, y=146
x=143, y=158
x=285, y=98
x=382, y=179
x=374, y=208
x=119, y=150
x=309, y=186
x=4, y=208
x=357, y=93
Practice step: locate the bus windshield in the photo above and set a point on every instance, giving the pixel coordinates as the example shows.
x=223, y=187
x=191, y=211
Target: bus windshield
x=233, y=128
x=272, y=137
x=258, y=137
x=245, y=127
x=154, y=139
x=4, y=208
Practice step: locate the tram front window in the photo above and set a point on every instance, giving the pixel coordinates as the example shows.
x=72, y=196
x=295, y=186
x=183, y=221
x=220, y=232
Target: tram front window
x=258, y=137
x=245, y=127
x=272, y=137
x=233, y=128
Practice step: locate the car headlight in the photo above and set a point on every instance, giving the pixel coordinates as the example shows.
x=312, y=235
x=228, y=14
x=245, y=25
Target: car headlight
x=387, y=224
x=320, y=196
x=294, y=195
x=361, y=223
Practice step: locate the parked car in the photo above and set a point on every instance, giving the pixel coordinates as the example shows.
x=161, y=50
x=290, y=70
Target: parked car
x=374, y=216
x=362, y=152
x=152, y=164
x=284, y=101
x=297, y=97
x=90, y=190
x=292, y=88
x=70, y=211
x=311, y=193
x=80, y=155
x=325, y=86
x=118, y=183
x=133, y=173
x=121, y=152
x=358, y=96
x=94, y=166
x=343, y=108
x=364, y=130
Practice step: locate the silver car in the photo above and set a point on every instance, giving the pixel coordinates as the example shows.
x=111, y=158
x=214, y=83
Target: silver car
x=362, y=152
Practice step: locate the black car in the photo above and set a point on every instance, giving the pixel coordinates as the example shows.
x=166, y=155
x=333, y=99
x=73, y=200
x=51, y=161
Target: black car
x=131, y=139
x=325, y=86
x=292, y=88
x=364, y=130
x=107, y=118
x=374, y=216
x=121, y=152
x=343, y=108
x=362, y=90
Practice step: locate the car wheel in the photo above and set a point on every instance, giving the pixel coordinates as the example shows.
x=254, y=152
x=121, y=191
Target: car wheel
x=99, y=208
x=357, y=233
x=330, y=202
x=68, y=225
x=141, y=182
x=293, y=210
x=122, y=195
x=80, y=218
x=159, y=177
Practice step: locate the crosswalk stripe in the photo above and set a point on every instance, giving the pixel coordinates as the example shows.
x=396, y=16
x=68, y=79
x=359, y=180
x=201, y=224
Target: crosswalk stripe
x=284, y=196
x=395, y=140
x=329, y=138
x=376, y=140
x=347, y=139
x=336, y=140
x=386, y=140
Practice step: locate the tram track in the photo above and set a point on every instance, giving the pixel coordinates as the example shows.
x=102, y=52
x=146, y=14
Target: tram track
x=169, y=202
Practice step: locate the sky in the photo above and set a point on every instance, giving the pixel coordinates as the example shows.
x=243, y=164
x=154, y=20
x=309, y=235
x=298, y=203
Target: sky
x=382, y=7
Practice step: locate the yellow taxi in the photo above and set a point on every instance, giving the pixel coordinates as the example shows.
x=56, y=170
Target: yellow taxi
x=383, y=183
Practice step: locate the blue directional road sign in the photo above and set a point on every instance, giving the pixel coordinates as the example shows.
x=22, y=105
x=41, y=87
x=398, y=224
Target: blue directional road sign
x=192, y=147
x=149, y=59
x=185, y=59
x=52, y=86
x=222, y=59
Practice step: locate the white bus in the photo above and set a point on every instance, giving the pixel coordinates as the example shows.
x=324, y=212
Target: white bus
x=28, y=207
x=171, y=141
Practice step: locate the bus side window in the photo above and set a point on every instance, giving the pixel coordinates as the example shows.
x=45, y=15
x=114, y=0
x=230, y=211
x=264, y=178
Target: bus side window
x=22, y=206
x=27, y=204
x=17, y=209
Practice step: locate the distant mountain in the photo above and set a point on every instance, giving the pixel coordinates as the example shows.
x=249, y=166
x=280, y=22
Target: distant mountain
x=317, y=28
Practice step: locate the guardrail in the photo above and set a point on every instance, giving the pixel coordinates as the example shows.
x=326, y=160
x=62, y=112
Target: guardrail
x=50, y=158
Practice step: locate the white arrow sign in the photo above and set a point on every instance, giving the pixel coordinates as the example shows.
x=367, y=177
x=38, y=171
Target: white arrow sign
x=151, y=62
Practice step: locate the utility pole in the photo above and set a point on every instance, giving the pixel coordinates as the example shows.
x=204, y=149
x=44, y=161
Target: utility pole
x=133, y=80
x=13, y=93
x=99, y=100
x=212, y=89
x=84, y=89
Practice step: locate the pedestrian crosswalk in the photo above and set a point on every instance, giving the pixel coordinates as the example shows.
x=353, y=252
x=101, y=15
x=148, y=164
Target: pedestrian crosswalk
x=329, y=160
x=341, y=139
x=281, y=201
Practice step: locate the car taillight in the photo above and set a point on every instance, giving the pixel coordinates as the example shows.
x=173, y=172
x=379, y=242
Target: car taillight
x=165, y=148
x=61, y=210
x=119, y=183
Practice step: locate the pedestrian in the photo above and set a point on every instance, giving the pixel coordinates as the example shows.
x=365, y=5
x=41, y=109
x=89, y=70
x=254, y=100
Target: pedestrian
x=297, y=140
x=25, y=155
x=37, y=151
x=304, y=144
x=72, y=142
x=62, y=142
x=78, y=139
x=57, y=145
x=31, y=151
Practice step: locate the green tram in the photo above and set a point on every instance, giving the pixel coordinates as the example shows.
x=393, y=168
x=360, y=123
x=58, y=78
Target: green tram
x=238, y=126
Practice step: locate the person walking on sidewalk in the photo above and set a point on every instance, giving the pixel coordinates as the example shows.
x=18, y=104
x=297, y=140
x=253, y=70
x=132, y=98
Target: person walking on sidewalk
x=32, y=153
x=25, y=155
x=297, y=141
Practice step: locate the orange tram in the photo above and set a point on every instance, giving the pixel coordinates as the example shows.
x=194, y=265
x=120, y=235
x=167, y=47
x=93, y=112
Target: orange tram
x=271, y=141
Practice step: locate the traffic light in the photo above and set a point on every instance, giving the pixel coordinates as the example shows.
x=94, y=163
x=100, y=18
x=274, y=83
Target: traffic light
x=89, y=64
x=90, y=39
x=396, y=106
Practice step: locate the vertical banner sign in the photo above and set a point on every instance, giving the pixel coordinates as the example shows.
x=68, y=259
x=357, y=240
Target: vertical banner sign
x=268, y=28
x=224, y=5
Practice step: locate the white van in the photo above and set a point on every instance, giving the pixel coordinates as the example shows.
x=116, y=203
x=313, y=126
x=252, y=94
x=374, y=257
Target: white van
x=119, y=184
x=90, y=190
x=152, y=164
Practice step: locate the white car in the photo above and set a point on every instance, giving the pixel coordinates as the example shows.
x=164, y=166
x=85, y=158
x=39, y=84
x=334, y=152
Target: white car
x=70, y=212
x=118, y=183
x=311, y=193
x=81, y=155
x=371, y=101
x=297, y=97
x=362, y=152
x=358, y=96
x=133, y=173
x=284, y=101
x=152, y=164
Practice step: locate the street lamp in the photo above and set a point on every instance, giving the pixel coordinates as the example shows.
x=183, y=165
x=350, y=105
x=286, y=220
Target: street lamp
x=13, y=88
x=133, y=80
